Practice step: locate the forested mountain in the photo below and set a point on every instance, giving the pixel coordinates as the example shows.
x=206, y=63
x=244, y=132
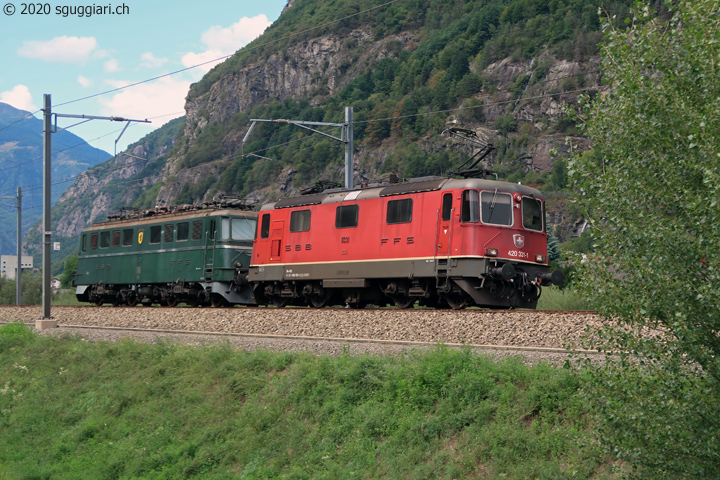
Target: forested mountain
x=504, y=68
x=21, y=163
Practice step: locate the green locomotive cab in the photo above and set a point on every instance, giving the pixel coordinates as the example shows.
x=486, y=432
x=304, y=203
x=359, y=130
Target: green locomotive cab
x=194, y=256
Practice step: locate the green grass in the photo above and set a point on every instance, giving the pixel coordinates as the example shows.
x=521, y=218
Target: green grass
x=74, y=409
x=65, y=297
x=553, y=298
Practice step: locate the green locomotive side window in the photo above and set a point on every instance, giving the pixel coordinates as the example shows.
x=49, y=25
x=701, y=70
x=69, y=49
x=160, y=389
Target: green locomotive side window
x=532, y=214
x=225, y=228
x=104, y=239
x=93, y=241
x=197, y=230
x=155, y=233
x=116, y=238
x=168, y=233
x=84, y=242
x=128, y=235
x=399, y=211
x=497, y=208
x=346, y=216
x=212, y=229
x=183, y=231
x=265, y=226
x=300, y=221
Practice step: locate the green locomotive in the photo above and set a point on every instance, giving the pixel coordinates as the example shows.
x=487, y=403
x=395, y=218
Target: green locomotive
x=199, y=256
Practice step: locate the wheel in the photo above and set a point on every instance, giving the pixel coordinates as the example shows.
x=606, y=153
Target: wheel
x=99, y=302
x=319, y=300
x=217, y=300
x=131, y=300
x=403, y=300
x=171, y=301
x=456, y=300
x=278, y=301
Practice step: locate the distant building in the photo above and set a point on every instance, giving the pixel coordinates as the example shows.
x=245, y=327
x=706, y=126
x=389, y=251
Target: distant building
x=8, y=269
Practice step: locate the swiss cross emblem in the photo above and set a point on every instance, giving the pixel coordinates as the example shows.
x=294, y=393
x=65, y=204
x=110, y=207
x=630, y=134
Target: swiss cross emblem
x=519, y=241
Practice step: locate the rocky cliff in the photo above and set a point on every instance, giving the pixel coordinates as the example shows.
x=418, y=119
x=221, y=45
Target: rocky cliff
x=517, y=102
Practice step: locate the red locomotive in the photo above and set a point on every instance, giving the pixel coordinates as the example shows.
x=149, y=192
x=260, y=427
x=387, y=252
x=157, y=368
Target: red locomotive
x=437, y=241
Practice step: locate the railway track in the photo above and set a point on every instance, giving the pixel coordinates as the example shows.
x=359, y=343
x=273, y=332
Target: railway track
x=525, y=332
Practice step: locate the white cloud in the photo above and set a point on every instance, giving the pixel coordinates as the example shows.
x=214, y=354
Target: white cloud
x=84, y=81
x=111, y=65
x=221, y=41
x=60, y=49
x=149, y=60
x=19, y=97
x=161, y=97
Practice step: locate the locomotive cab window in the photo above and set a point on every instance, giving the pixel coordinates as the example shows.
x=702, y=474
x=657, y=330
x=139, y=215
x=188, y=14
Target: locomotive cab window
x=470, y=212
x=265, y=226
x=104, y=239
x=224, y=228
x=300, y=221
x=532, y=213
x=497, y=208
x=243, y=229
x=128, y=236
x=447, y=207
x=183, y=231
x=155, y=234
x=399, y=211
x=346, y=216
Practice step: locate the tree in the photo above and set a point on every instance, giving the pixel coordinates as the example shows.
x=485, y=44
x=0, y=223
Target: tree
x=651, y=190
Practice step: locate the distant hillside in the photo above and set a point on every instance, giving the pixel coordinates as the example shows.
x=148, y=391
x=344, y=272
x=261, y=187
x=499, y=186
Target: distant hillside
x=21, y=154
x=504, y=68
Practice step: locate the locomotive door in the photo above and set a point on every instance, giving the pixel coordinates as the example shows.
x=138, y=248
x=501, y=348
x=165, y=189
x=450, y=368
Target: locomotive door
x=276, y=236
x=209, y=253
x=442, y=246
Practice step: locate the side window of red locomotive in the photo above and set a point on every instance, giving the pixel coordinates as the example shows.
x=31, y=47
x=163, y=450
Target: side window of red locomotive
x=470, y=207
x=346, y=216
x=447, y=207
x=497, y=208
x=93, y=241
x=532, y=213
x=300, y=221
x=265, y=226
x=399, y=211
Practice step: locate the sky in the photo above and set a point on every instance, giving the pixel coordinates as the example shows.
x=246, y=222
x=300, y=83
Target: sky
x=72, y=50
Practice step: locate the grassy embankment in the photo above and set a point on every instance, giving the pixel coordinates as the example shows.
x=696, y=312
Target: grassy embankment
x=74, y=409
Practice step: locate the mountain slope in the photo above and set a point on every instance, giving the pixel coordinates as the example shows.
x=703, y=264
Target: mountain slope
x=21, y=162
x=503, y=68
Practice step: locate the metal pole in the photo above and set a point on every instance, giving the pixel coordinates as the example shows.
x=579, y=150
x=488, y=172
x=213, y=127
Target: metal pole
x=18, y=276
x=46, y=321
x=348, y=147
